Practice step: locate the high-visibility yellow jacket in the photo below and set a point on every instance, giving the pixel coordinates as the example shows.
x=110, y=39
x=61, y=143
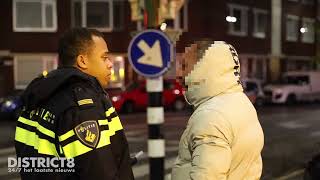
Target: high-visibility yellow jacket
x=68, y=115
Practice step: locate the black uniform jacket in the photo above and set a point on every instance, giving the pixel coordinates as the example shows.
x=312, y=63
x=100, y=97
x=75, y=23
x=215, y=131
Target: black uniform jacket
x=68, y=116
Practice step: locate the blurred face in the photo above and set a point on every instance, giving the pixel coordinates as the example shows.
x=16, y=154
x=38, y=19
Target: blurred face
x=96, y=62
x=185, y=64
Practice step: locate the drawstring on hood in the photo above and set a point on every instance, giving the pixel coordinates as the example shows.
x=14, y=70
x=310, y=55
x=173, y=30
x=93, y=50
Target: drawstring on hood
x=216, y=73
x=185, y=98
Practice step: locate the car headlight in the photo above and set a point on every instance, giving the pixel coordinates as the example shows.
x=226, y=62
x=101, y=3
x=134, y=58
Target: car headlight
x=8, y=103
x=116, y=98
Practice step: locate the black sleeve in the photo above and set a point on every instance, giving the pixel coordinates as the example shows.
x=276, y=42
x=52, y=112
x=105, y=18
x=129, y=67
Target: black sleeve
x=79, y=138
x=85, y=135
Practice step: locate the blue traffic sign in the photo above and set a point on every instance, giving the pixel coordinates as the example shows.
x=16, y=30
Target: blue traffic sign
x=150, y=53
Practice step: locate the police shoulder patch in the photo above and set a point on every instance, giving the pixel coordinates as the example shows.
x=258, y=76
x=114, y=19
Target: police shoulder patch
x=88, y=133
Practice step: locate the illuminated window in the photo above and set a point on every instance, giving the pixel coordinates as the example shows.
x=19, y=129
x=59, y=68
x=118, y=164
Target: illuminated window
x=34, y=16
x=104, y=15
x=240, y=26
x=308, y=33
x=260, y=23
x=292, y=25
x=117, y=72
x=29, y=66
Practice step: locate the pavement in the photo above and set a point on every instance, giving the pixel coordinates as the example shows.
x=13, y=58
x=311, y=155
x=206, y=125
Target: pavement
x=291, y=138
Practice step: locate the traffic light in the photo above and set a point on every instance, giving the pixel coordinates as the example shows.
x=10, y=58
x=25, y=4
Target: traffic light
x=137, y=7
x=168, y=9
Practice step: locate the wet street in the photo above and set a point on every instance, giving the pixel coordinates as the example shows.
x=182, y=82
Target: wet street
x=292, y=136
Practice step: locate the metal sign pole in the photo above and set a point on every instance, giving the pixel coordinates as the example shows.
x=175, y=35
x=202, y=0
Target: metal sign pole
x=155, y=114
x=150, y=53
x=155, y=118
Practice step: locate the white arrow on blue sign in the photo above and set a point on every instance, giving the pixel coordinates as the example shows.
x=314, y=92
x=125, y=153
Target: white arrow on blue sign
x=150, y=53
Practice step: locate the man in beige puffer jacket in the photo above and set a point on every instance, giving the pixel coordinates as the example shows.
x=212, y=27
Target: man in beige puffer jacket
x=223, y=138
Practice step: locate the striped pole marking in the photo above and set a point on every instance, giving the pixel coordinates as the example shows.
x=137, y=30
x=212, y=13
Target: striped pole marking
x=155, y=118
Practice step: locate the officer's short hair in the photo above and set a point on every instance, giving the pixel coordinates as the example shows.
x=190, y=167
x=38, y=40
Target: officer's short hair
x=74, y=42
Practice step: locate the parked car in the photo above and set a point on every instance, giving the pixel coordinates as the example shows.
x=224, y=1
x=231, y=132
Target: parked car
x=295, y=86
x=10, y=106
x=135, y=97
x=253, y=89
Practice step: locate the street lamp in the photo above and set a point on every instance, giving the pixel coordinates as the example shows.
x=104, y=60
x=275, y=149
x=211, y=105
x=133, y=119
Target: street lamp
x=231, y=19
x=45, y=73
x=163, y=26
x=303, y=30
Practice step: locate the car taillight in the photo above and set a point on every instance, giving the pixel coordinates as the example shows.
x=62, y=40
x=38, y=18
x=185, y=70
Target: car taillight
x=176, y=91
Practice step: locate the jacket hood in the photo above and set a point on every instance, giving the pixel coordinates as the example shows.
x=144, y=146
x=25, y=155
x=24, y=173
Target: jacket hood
x=42, y=88
x=216, y=73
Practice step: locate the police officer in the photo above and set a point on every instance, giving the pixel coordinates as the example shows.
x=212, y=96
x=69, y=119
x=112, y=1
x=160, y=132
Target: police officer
x=68, y=115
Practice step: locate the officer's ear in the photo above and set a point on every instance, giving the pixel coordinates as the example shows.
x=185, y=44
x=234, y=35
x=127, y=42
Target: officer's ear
x=82, y=61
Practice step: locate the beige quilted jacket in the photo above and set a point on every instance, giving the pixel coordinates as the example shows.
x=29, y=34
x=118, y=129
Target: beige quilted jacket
x=223, y=138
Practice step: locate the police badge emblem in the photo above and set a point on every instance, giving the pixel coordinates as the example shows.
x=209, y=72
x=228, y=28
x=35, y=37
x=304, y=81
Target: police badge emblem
x=88, y=133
